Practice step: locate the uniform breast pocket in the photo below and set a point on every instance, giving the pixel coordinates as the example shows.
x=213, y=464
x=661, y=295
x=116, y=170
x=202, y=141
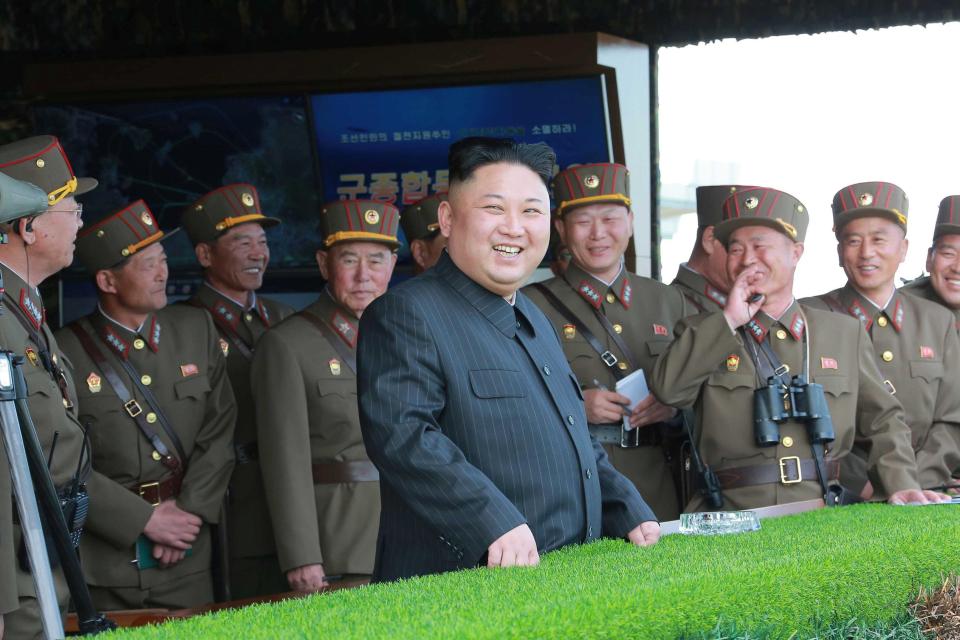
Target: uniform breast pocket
x=656, y=347
x=927, y=371
x=837, y=390
x=192, y=388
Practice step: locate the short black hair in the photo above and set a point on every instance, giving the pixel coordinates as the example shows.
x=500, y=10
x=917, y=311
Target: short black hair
x=469, y=154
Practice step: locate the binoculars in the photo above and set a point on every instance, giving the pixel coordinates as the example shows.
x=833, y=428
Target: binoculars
x=801, y=401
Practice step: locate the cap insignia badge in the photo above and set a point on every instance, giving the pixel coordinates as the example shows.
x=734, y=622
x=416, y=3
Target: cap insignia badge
x=591, y=181
x=866, y=199
x=247, y=199
x=751, y=202
x=371, y=216
x=147, y=220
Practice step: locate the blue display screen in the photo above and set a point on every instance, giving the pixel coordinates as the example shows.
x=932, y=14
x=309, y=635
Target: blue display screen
x=391, y=146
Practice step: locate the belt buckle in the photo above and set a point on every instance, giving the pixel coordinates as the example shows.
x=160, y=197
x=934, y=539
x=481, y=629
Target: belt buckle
x=783, y=474
x=608, y=358
x=132, y=408
x=148, y=485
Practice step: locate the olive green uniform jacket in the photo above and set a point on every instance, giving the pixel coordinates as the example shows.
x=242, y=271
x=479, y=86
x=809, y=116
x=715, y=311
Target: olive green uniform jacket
x=701, y=296
x=52, y=413
x=645, y=311
x=708, y=366
x=249, y=530
x=922, y=288
x=917, y=351
x=178, y=355
x=307, y=414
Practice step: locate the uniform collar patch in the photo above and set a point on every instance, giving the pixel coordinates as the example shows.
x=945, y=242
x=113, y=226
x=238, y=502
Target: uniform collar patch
x=715, y=295
x=626, y=293
x=757, y=330
x=32, y=309
x=344, y=328
x=589, y=294
x=897, y=318
x=857, y=311
x=797, y=325
x=264, y=314
x=228, y=314
x=114, y=341
x=153, y=337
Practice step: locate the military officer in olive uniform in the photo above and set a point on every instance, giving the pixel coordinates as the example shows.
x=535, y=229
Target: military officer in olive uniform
x=227, y=229
x=914, y=340
x=324, y=491
x=943, y=261
x=420, y=226
x=154, y=391
x=612, y=322
x=721, y=359
x=703, y=278
x=38, y=247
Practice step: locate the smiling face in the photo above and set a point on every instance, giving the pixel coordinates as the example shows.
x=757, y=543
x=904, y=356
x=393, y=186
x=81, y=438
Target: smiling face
x=943, y=263
x=871, y=249
x=597, y=236
x=357, y=273
x=236, y=261
x=140, y=285
x=497, y=225
x=771, y=254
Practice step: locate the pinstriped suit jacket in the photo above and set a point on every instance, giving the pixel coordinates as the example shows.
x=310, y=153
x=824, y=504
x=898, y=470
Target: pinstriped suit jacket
x=472, y=415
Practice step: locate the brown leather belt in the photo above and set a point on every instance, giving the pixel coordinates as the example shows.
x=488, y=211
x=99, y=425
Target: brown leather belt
x=344, y=472
x=787, y=470
x=157, y=492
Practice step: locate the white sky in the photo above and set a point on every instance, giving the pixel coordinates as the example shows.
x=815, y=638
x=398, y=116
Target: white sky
x=810, y=115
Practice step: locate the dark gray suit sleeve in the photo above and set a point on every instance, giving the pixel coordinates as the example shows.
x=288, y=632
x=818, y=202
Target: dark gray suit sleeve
x=402, y=394
x=623, y=507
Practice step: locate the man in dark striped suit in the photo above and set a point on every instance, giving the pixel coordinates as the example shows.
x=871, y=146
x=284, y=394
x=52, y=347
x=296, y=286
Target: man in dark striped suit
x=467, y=404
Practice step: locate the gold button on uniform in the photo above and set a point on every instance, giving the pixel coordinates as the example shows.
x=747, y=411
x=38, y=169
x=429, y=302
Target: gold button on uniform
x=155, y=455
x=248, y=317
x=622, y=365
x=611, y=297
x=145, y=379
x=787, y=441
x=882, y=321
x=887, y=356
x=151, y=417
x=781, y=334
x=139, y=344
x=618, y=328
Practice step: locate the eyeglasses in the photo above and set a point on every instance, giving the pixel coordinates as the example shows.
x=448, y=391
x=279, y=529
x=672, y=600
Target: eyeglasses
x=78, y=211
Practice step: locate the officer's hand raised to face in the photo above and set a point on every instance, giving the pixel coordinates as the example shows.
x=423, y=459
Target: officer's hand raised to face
x=516, y=547
x=172, y=526
x=743, y=301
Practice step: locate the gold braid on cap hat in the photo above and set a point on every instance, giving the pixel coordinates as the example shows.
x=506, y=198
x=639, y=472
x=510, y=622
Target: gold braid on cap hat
x=57, y=195
x=228, y=222
x=340, y=236
x=789, y=228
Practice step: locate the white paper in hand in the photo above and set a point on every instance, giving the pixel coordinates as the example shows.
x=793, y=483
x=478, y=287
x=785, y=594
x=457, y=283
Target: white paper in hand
x=634, y=386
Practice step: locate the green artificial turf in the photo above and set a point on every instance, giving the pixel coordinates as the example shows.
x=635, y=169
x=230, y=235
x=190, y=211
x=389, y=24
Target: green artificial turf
x=810, y=575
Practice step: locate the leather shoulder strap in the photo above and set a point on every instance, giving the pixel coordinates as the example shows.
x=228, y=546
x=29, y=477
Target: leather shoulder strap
x=606, y=356
x=130, y=405
x=345, y=354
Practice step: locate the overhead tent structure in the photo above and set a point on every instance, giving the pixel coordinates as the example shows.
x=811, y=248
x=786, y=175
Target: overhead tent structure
x=117, y=50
